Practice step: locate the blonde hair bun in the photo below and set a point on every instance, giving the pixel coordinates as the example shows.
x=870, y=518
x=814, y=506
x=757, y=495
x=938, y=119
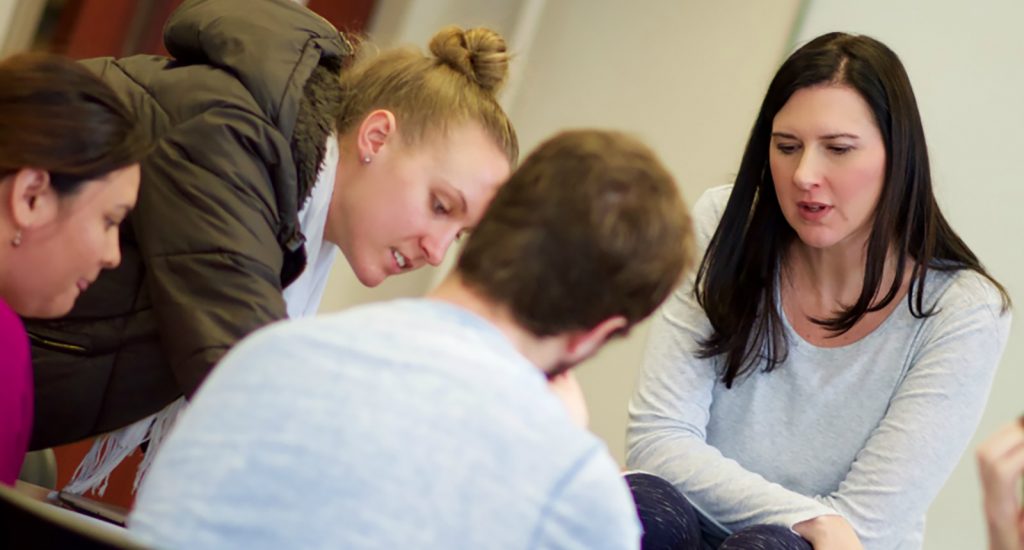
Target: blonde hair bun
x=479, y=53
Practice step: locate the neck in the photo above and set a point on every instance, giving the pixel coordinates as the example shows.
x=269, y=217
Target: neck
x=347, y=166
x=833, y=276
x=544, y=352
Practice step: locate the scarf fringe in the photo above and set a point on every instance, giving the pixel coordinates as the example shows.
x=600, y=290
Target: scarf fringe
x=110, y=449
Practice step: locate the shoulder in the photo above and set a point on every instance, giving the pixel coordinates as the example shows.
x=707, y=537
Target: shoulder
x=961, y=290
x=365, y=319
x=966, y=307
x=15, y=360
x=389, y=330
x=210, y=32
x=271, y=47
x=709, y=207
x=707, y=212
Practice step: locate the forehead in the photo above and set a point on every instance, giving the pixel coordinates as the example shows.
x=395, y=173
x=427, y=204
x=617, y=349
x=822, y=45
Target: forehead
x=467, y=158
x=825, y=109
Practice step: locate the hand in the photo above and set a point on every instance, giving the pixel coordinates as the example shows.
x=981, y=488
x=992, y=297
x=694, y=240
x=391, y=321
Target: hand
x=1000, y=465
x=568, y=390
x=829, y=533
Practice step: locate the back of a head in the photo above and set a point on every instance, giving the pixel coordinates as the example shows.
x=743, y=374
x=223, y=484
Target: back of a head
x=456, y=83
x=589, y=227
x=57, y=116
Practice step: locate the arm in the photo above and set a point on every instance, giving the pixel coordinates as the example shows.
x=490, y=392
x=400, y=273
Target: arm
x=669, y=414
x=206, y=224
x=929, y=423
x=829, y=533
x=1001, y=466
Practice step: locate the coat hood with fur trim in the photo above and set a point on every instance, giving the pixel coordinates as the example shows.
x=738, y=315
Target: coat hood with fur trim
x=240, y=116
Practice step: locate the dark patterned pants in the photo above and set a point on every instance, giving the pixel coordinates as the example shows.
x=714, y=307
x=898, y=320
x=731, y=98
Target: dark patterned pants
x=670, y=522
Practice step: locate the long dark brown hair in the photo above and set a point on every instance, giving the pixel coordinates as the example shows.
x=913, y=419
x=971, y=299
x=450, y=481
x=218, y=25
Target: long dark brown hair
x=56, y=115
x=736, y=282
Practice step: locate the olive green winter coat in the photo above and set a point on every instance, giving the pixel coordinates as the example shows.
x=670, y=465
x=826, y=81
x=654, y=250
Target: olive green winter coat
x=240, y=117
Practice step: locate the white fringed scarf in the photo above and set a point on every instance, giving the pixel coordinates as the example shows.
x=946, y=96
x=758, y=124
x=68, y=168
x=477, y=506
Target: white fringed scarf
x=111, y=448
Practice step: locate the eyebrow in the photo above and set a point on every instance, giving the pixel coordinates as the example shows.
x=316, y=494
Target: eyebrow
x=462, y=198
x=826, y=136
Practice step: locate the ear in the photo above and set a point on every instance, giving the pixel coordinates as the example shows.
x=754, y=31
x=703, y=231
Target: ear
x=582, y=344
x=33, y=201
x=374, y=132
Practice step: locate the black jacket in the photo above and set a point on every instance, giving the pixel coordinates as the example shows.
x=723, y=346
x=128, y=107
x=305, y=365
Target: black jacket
x=240, y=118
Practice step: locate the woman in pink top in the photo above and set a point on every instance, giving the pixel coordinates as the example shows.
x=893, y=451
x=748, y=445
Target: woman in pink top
x=69, y=174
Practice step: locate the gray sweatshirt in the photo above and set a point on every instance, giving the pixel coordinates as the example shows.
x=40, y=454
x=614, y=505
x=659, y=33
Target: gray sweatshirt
x=869, y=431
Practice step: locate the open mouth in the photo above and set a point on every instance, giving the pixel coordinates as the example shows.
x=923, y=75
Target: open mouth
x=813, y=211
x=399, y=258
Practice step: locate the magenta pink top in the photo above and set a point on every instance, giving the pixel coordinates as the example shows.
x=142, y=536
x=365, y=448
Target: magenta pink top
x=15, y=394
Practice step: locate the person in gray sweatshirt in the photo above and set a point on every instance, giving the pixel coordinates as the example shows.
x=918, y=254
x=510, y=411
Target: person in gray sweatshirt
x=431, y=423
x=819, y=377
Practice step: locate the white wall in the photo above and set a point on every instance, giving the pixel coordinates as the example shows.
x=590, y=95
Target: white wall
x=966, y=63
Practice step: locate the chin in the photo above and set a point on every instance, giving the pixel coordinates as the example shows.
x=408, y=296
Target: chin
x=369, y=277
x=51, y=310
x=819, y=242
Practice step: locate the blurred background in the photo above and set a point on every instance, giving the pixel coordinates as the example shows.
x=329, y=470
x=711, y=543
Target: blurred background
x=688, y=76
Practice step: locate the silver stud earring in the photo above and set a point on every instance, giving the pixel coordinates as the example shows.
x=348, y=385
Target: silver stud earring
x=366, y=159
x=16, y=241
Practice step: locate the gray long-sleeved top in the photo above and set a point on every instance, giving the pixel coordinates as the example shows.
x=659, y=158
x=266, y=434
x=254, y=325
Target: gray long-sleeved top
x=870, y=430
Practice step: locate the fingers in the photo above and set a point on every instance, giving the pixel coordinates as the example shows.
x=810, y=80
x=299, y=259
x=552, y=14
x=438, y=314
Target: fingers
x=1003, y=441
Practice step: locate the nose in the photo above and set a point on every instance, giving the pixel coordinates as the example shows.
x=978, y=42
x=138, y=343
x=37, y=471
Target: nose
x=807, y=173
x=436, y=245
x=111, y=251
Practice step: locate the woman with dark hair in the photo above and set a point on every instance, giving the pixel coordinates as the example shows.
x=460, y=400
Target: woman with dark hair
x=69, y=174
x=785, y=390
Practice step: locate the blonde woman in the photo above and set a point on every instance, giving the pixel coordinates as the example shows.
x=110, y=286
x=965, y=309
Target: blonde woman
x=277, y=146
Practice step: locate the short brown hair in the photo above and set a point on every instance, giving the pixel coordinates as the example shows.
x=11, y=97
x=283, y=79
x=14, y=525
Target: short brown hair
x=589, y=227
x=456, y=84
x=56, y=115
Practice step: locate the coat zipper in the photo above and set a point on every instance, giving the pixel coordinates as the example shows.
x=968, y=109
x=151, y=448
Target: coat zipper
x=54, y=344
